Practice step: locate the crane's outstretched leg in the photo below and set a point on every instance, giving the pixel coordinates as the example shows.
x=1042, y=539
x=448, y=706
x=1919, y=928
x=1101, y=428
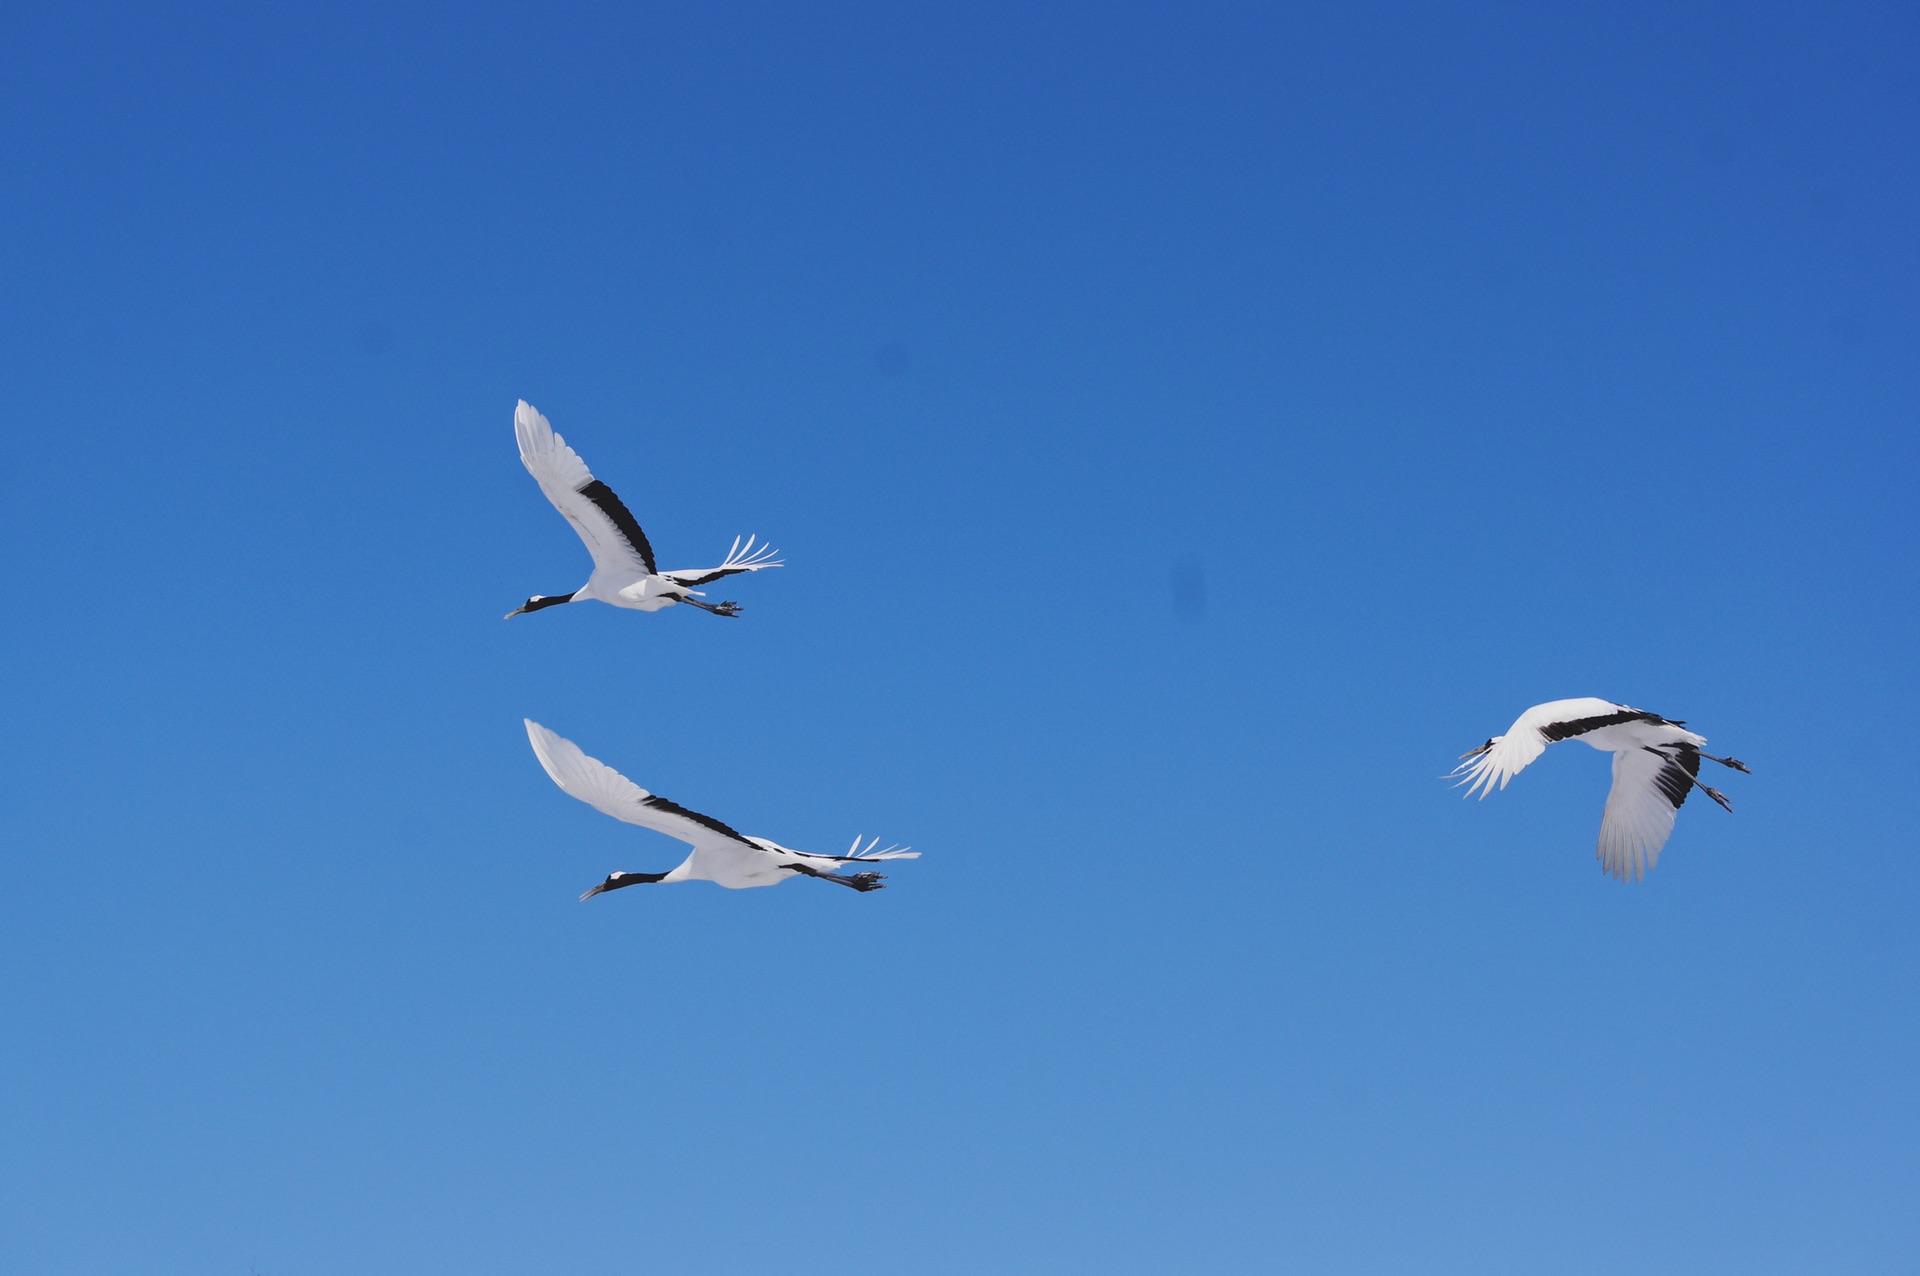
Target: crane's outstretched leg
x=1735, y=763
x=1710, y=791
x=718, y=609
x=1715, y=794
x=868, y=881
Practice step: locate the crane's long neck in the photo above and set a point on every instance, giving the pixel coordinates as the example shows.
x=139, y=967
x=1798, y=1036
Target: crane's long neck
x=616, y=880
x=544, y=599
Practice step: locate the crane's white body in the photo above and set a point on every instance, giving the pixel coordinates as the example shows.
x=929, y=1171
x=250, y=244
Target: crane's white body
x=720, y=855
x=1656, y=763
x=624, y=574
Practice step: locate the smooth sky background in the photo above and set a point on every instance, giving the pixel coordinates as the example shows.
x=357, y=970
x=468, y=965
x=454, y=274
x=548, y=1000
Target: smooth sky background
x=1188, y=430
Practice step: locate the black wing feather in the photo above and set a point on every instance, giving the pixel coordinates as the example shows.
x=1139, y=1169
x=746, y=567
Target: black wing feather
x=1555, y=731
x=622, y=518
x=705, y=578
x=671, y=807
x=1677, y=776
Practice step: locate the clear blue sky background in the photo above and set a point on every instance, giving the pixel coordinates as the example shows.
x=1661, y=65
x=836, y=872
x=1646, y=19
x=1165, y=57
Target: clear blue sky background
x=1188, y=430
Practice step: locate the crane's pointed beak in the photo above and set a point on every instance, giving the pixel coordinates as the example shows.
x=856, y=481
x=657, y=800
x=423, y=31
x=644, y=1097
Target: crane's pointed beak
x=517, y=611
x=614, y=880
x=1474, y=753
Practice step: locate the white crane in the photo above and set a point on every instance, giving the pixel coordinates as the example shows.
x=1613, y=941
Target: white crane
x=719, y=854
x=1656, y=763
x=623, y=569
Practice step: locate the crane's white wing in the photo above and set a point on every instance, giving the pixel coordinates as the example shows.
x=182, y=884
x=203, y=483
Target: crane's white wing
x=1497, y=761
x=1648, y=789
x=741, y=558
x=610, y=793
x=610, y=531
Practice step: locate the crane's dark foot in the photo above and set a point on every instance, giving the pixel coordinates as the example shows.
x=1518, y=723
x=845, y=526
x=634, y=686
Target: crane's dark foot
x=1717, y=796
x=728, y=608
x=859, y=881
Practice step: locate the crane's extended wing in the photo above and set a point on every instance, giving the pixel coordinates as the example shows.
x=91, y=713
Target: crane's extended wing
x=610, y=793
x=741, y=558
x=1649, y=786
x=1497, y=761
x=610, y=531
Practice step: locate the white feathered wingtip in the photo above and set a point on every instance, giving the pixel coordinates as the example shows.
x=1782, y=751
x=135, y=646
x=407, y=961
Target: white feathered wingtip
x=529, y=427
x=1479, y=770
x=544, y=453
x=549, y=746
x=890, y=853
x=745, y=558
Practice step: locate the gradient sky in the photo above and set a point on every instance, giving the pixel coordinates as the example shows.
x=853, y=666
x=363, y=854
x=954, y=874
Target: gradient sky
x=1188, y=428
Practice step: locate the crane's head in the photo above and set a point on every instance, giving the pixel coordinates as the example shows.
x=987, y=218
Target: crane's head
x=616, y=880
x=1482, y=749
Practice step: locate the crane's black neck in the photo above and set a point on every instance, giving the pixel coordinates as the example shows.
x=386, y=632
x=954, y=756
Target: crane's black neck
x=546, y=600
x=618, y=880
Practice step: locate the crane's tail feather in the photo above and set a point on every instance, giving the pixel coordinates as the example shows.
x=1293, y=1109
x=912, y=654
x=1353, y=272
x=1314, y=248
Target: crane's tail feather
x=747, y=558
x=895, y=852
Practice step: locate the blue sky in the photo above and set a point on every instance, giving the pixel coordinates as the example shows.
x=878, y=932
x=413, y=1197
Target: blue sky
x=1187, y=430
